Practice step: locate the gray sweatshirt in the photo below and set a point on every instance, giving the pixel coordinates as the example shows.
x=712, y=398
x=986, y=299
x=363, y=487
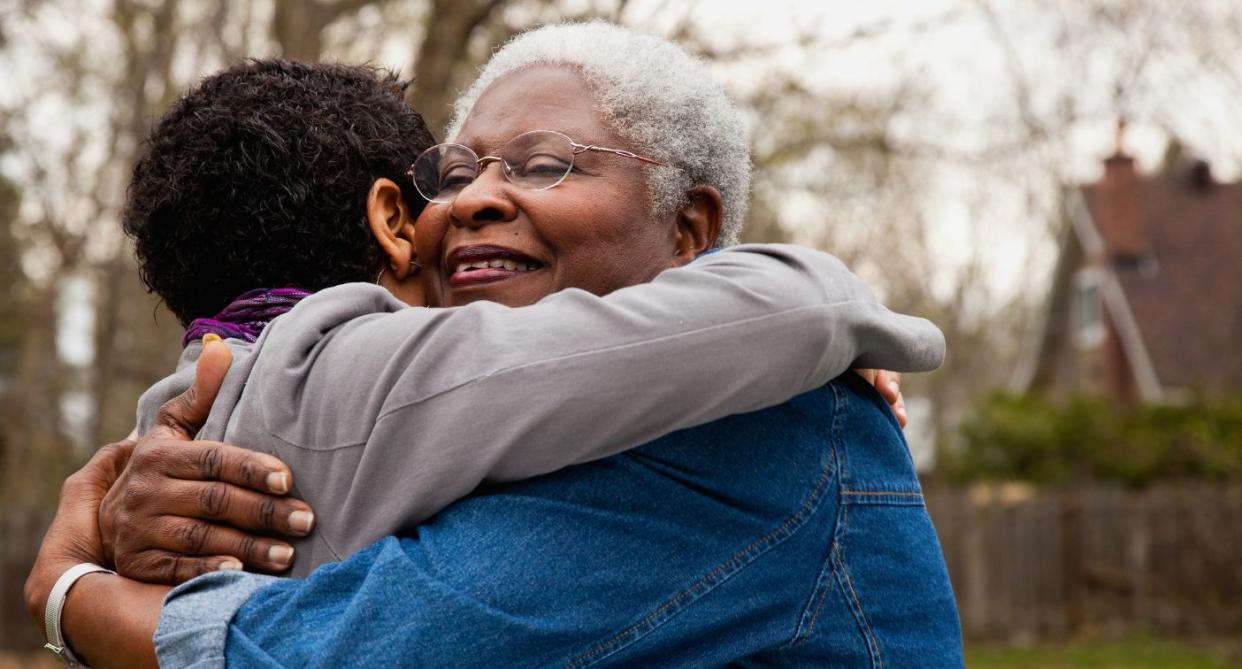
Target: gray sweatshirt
x=386, y=413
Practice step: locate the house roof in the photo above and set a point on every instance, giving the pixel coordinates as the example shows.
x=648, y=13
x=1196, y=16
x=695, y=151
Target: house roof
x=1185, y=291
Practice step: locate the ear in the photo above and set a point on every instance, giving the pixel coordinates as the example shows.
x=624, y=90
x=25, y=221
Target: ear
x=390, y=223
x=697, y=227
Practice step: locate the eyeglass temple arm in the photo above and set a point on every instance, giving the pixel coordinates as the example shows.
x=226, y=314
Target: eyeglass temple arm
x=579, y=148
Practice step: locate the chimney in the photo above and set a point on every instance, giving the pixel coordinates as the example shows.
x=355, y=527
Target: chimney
x=1200, y=175
x=1118, y=214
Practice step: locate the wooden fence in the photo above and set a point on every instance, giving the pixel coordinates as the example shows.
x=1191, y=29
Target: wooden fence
x=1031, y=564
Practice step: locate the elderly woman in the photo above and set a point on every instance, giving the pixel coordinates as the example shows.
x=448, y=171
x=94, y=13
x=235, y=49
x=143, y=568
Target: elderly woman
x=791, y=535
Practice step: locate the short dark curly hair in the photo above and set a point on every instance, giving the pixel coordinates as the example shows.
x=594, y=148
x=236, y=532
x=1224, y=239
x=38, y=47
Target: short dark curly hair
x=258, y=178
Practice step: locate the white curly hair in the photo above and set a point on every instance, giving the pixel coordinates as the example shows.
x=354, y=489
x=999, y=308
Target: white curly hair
x=656, y=95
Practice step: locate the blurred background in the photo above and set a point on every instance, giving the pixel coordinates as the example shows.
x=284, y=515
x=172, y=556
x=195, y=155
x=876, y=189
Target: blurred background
x=1054, y=183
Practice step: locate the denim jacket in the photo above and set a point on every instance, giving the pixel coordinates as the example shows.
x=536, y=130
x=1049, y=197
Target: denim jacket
x=791, y=536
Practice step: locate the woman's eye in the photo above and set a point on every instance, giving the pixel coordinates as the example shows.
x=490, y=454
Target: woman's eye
x=545, y=164
x=458, y=176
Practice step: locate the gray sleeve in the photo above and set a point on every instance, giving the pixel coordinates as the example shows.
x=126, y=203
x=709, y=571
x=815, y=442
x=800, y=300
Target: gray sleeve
x=395, y=416
x=194, y=623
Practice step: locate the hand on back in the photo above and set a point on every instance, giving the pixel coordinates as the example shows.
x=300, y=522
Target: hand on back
x=181, y=507
x=889, y=385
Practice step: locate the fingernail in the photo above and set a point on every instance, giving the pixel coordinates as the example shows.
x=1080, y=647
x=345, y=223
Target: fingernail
x=280, y=554
x=210, y=337
x=230, y=565
x=893, y=386
x=302, y=521
x=278, y=482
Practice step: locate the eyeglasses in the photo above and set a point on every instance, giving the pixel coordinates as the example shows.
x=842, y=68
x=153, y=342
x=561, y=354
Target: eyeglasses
x=536, y=160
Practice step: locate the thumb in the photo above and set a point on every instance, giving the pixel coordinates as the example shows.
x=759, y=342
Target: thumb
x=186, y=413
x=213, y=365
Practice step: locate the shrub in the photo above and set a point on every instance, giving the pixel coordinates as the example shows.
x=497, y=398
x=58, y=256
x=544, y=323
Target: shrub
x=1021, y=437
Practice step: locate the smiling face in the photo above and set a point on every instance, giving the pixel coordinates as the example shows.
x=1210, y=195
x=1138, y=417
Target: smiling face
x=499, y=242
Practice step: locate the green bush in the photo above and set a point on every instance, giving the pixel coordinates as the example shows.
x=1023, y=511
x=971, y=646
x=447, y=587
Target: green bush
x=1021, y=437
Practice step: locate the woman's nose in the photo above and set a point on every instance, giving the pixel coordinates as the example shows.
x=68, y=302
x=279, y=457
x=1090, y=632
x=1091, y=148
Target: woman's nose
x=485, y=200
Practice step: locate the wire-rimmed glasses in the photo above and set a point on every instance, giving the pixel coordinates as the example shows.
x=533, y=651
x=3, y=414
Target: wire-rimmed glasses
x=537, y=160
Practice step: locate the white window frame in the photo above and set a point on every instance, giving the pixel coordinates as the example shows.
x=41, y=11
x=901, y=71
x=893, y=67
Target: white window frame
x=1087, y=335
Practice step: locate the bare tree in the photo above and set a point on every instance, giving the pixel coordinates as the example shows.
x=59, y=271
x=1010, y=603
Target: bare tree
x=298, y=25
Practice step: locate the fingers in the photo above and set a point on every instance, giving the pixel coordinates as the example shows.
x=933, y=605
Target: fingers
x=176, y=497
x=869, y=375
x=889, y=385
x=184, y=415
x=159, y=566
x=194, y=538
x=214, y=461
x=238, y=507
x=892, y=384
x=113, y=458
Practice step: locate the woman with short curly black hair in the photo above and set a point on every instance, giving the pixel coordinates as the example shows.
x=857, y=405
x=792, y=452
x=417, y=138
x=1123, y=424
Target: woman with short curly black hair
x=258, y=178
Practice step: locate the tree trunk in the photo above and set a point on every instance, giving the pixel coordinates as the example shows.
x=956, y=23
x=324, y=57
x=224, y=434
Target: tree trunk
x=443, y=54
x=297, y=27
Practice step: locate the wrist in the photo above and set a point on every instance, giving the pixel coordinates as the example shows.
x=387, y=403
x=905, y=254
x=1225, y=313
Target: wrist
x=39, y=585
x=110, y=621
x=57, y=603
x=48, y=567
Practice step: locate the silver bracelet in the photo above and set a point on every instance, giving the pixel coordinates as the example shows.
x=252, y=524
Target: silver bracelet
x=56, y=605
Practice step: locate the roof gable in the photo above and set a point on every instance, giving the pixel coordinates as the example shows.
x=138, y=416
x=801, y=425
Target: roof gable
x=1185, y=291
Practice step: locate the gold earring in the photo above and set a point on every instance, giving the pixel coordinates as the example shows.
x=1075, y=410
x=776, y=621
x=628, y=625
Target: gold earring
x=414, y=265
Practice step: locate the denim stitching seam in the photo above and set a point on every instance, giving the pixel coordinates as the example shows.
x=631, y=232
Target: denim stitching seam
x=873, y=644
x=882, y=498
x=818, y=598
x=826, y=576
x=878, y=493
x=706, y=584
x=828, y=570
x=839, y=570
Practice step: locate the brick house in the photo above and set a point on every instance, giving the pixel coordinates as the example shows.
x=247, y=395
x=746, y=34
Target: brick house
x=1146, y=301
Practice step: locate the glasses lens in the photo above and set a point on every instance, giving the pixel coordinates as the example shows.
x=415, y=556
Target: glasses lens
x=538, y=159
x=443, y=170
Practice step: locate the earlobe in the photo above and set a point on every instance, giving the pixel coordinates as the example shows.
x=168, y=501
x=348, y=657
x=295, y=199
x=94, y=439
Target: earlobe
x=698, y=224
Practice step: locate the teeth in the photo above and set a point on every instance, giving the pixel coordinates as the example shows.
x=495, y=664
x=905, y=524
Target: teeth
x=511, y=265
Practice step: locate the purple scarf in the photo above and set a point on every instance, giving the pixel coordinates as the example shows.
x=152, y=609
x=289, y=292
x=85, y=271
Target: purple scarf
x=246, y=316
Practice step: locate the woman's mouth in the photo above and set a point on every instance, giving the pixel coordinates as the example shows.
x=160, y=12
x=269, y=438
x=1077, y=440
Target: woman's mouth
x=474, y=265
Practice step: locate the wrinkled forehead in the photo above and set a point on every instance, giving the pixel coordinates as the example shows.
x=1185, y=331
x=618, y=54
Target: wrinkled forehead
x=539, y=97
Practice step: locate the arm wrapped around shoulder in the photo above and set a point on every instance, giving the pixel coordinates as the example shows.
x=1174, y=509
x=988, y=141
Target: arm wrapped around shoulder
x=425, y=404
